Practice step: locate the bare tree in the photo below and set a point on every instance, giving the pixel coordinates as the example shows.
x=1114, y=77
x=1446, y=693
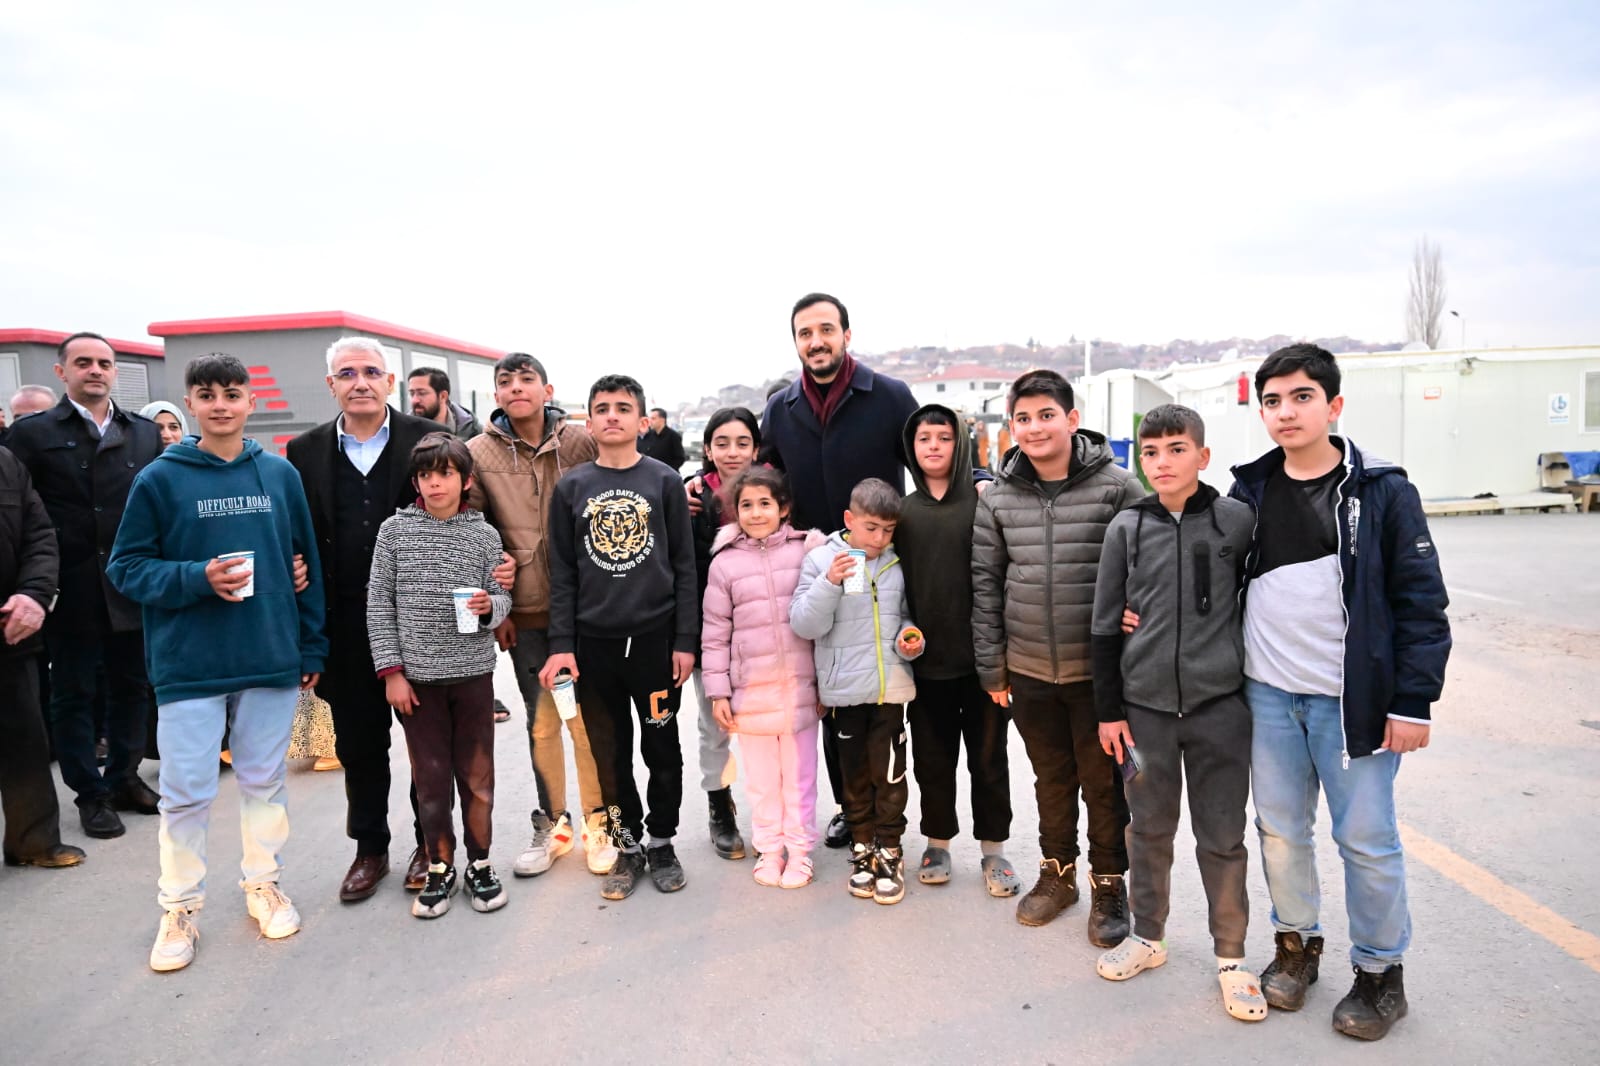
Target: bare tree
x=1426, y=304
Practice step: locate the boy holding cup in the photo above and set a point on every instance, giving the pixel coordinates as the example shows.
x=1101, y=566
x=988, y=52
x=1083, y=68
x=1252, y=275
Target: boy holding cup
x=432, y=575
x=228, y=645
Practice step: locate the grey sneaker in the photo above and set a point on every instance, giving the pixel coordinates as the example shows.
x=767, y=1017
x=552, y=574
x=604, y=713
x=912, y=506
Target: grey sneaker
x=551, y=840
x=665, y=869
x=863, y=870
x=624, y=876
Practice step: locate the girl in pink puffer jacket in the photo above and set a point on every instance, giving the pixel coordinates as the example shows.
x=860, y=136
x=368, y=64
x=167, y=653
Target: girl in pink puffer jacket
x=760, y=677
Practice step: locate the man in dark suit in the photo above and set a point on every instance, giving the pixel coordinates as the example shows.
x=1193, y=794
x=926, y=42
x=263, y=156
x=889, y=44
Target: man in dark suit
x=83, y=455
x=661, y=441
x=355, y=473
x=28, y=571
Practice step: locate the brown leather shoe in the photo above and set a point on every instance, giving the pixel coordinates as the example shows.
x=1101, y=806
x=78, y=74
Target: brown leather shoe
x=362, y=880
x=417, y=871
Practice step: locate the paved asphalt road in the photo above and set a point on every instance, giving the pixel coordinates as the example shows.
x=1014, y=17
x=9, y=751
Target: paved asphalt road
x=1503, y=803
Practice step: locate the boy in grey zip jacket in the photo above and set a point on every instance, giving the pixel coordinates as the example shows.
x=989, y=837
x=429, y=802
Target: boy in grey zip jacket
x=863, y=644
x=1169, y=697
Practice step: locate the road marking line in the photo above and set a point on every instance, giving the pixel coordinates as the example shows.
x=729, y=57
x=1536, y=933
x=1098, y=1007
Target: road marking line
x=1484, y=596
x=1518, y=906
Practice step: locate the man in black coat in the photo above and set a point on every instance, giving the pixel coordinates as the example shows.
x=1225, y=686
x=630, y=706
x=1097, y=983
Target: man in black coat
x=28, y=569
x=661, y=441
x=355, y=470
x=82, y=456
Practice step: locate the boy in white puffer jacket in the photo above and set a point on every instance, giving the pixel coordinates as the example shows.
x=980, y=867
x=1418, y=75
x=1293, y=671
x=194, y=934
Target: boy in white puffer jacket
x=863, y=643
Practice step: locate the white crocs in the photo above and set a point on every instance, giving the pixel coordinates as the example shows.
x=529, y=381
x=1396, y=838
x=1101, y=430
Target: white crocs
x=1241, y=994
x=1130, y=958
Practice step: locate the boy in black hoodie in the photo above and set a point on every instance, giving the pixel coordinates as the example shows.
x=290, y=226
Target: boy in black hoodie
x=934, y=540
x=625, y=622
x=1169, y=700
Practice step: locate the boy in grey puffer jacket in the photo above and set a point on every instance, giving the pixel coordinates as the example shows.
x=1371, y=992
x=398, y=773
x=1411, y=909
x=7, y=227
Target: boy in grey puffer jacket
x=863, y=643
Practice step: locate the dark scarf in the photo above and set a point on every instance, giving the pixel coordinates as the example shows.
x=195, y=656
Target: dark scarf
x=824, y=404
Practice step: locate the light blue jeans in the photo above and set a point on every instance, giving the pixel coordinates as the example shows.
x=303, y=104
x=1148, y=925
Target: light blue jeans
x=1297, y=743
x=259, y=721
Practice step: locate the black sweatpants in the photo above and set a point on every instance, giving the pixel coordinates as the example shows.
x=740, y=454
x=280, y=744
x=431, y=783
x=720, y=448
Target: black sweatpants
x=1061, y=733
x=1211, y=748
x=944, y=714
x=872, y=764
x=27, y=789
x=612, y=674
x=362, y=720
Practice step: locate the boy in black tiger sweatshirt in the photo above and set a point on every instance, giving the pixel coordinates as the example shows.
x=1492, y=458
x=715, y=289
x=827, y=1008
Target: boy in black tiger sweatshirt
x=934, y=541
x=625, y=622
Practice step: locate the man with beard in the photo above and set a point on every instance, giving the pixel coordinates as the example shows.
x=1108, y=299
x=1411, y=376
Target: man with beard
x=834, y=426
x=428, y=390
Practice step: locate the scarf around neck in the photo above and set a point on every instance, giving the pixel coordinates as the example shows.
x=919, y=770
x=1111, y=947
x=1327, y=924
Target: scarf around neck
x=823, y=404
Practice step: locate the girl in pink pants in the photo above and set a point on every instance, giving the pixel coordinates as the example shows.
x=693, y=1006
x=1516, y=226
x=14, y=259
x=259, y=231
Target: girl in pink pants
x=760, y=677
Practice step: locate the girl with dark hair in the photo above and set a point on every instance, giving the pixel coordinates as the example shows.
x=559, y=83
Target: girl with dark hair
x=732, y=441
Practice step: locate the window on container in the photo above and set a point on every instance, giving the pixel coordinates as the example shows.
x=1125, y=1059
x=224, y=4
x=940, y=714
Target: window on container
x=132, y=390
x=939, y=387
x=1591, y=401
x=392, y=359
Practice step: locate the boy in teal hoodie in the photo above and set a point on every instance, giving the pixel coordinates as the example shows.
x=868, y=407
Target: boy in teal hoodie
x=229, y=643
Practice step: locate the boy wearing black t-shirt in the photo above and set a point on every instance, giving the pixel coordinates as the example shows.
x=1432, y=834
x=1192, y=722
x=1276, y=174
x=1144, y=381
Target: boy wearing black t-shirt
x=1345, y=640
x=625, y=622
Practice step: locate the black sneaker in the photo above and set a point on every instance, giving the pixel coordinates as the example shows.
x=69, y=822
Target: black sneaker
x=890, y=883
x=483, y=887
x=1292, y=970
x=665, y=869
x=1108, y=914
x=724, y=825
x=863, y=870
x=99, y=820
x=434, y=899
x=1054, y=892
x=1374, y=1003
x=837, y=835
x=624, y=876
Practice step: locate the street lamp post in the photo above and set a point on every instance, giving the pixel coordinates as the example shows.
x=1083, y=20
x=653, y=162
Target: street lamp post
x=1463, y=319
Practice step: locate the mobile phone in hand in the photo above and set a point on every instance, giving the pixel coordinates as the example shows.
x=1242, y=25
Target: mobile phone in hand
x=1132, y=765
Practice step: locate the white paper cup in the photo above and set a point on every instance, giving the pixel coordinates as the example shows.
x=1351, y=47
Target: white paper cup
x=466, y=621
x=249, y=567
x=856, y=583
x=566, y=696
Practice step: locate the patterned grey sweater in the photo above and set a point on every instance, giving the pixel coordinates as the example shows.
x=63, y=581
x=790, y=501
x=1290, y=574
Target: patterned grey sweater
x=411, y=614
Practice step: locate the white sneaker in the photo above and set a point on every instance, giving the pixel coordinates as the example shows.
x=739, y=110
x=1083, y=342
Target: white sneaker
x=272, y=910
x=175, y=941
x=550, y=842
x=598, y=849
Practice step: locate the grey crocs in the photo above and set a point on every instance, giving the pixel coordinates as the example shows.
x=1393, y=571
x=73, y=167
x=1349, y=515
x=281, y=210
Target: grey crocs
x=935, y=869
x=999, y=877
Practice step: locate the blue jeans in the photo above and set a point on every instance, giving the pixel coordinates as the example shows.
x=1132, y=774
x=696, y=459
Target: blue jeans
x=259, y=721
x=1297, y=743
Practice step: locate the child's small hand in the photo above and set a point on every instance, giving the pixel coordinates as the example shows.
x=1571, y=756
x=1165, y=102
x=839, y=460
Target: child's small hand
x=722, y=711
x=480, y=603
x=1002, y=697
x=505, y=574
x=554, y=665
x=1113, y=736
x=398, y=693
x=682, y=667
x=1130, y=620
x=844, y=564
x=302, y=576
x=227, y=577
x=910, y=642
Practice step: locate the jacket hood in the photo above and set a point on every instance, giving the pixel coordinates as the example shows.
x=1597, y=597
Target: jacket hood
x=960, y=462
x=1252, y=476
x=500, y=423
x=731, y=535
x=1090, y=452
x=417, y=515
x=190, y=454
x=1198, y=503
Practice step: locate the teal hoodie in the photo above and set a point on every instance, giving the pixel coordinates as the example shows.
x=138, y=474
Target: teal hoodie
x=185, y=509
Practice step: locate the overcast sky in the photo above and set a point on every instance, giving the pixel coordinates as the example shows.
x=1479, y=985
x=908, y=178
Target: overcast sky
x=648, y=187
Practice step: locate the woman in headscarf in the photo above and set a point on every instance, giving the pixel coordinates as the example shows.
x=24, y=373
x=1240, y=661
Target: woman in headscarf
x=174, y=427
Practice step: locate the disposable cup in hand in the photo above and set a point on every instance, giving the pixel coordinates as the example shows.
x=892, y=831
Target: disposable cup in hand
x=856, y=583
x=466, y=621
x=566, y=696
x=248, y=567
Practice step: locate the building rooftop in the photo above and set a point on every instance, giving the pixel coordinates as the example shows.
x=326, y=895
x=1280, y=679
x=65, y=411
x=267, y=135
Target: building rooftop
x=53, y=337
x=318, y=320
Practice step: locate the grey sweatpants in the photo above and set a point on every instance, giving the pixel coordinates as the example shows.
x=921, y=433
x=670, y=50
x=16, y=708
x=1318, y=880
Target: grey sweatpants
x=718, y=769
x=1213, y=748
